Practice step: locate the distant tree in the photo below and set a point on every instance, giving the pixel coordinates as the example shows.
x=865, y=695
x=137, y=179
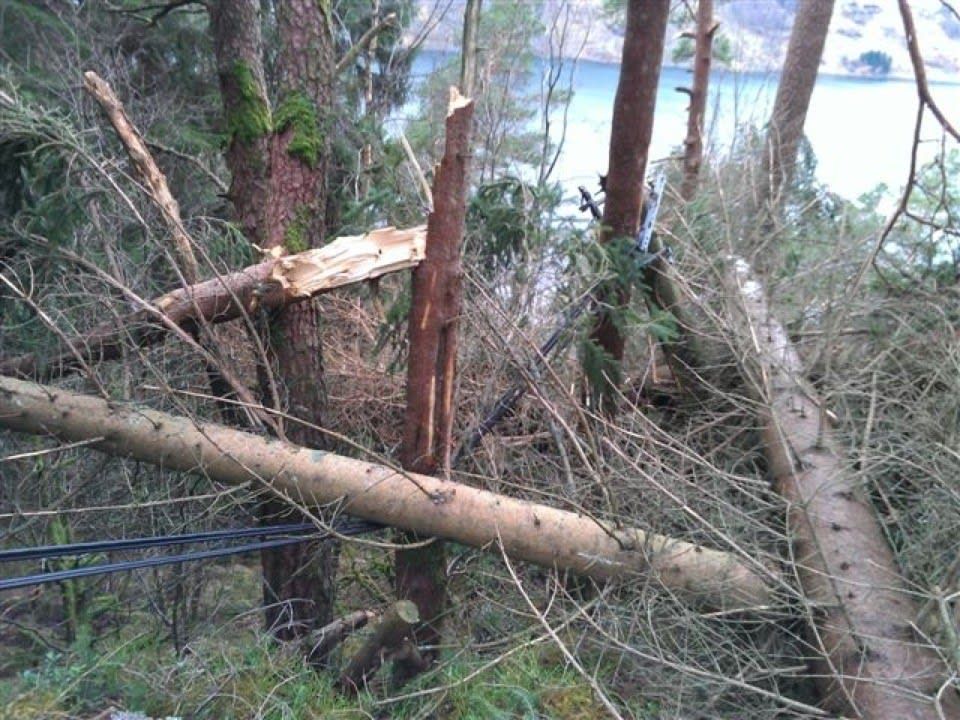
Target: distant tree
x=685, y=49
x=878, y=62
x=799, y=75
x=693, y=144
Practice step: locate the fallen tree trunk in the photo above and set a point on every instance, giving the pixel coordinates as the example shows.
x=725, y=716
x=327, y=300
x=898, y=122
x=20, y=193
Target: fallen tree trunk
x=426, y=505
x=870, y=662
x=270, y=285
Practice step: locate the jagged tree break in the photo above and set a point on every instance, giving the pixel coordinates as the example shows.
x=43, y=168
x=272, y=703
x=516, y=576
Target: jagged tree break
x=630, y=134
x=871, y=662
x=423, y=504
x=807, y=38
x=432, y=366
x=267, y=286
x=278, y=160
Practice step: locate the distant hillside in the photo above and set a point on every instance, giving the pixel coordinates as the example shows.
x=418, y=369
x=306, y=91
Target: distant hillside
x=866, y=38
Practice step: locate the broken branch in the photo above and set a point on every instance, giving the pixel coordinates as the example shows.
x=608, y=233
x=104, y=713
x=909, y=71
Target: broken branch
x=269, y=285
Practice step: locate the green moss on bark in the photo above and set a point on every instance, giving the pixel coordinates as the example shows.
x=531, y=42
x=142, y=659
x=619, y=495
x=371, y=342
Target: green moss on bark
x=298, y=113
x=296, y=237
x=250, y=119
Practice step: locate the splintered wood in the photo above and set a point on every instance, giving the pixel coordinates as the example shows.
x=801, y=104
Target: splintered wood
x=273, y=284
x=350, y=259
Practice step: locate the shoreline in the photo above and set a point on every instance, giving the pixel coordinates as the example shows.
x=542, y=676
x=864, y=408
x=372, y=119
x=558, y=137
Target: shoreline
x=932, y=79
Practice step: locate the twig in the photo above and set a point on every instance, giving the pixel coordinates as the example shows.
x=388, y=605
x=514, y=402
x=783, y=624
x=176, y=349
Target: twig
x=351, y=54
x=919, y=70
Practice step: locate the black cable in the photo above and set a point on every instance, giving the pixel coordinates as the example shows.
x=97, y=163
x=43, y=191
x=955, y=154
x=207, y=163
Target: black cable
x=83, y=548
x=508, y=401
x=357, y=527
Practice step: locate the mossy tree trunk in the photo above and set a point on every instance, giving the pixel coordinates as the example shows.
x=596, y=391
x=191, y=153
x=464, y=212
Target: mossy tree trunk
x=278, y=162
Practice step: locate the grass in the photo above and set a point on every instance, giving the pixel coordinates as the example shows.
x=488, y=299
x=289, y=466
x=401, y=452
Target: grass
x=237, y=672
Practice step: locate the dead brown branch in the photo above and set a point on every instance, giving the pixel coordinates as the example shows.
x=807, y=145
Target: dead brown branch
x=147, y=171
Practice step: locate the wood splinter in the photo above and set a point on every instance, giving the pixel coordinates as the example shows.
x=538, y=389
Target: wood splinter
x=270, y=285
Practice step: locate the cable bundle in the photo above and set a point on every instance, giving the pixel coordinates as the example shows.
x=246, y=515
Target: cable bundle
x=273, y=536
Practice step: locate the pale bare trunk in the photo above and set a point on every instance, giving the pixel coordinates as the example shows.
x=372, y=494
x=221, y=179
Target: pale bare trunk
x=872, y=664
x=422, y=504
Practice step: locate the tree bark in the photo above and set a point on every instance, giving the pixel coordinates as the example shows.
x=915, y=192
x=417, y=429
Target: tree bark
x=270, y=285
x=703, y=54
x=468, y=48
x=278, y=161
x=630, y=133
x=423, y=504
x=871, y=664
x=807, y=38
x=431, y=370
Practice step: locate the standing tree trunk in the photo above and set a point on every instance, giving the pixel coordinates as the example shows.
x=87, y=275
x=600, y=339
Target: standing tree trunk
x=278, y=162
x=799, y=75
x=870, y=663
x=468, y=59
x=431, y=372
x=693, y=145
x=630, y=134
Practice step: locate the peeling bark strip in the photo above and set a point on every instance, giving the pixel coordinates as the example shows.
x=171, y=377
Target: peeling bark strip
x=432, y=365
x=147, y=170
x=271, y=285
x=426, y=505
x=871, y=663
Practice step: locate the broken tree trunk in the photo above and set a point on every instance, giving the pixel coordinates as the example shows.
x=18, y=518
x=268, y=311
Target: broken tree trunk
x=426, y=505
x=323, y=641
x=394, y=628
x=269, y=285
x=693, y=145
x=871, y=663
x=431, y=370
x=147, y=171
